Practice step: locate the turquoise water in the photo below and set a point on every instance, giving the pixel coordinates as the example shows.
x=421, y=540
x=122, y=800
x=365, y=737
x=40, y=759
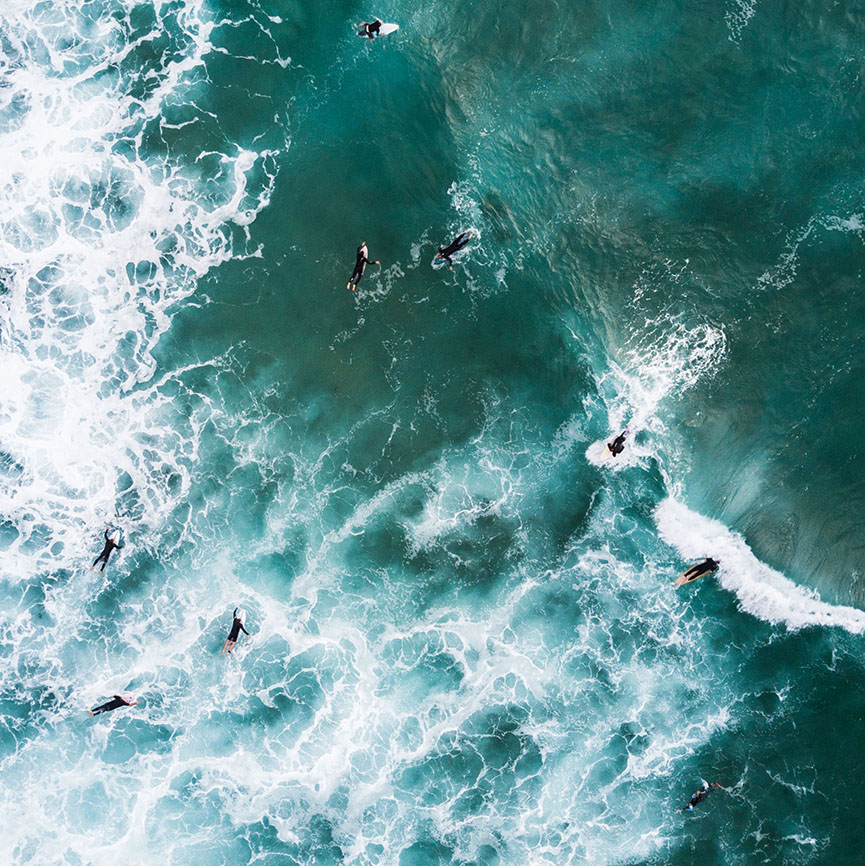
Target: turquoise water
x=466, y=647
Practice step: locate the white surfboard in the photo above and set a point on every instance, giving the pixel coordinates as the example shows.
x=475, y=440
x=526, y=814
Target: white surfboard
x=605, y=454
x=384, y=30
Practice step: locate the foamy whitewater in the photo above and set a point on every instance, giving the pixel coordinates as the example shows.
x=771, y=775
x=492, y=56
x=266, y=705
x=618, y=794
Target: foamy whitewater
x=465, y=645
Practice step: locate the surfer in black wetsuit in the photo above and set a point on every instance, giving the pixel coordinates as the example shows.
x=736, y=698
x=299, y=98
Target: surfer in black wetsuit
x=113, y=704
x=369, y=29
x=699, y=796
x=617, y=446
x=707, y=566
x=453, y=247
x=360, y=265
x=110, y=545
x=234, y=634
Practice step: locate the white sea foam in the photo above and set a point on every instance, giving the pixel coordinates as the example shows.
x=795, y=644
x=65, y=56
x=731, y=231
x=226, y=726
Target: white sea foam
x=98, y=243
x=786, y=268
x=101, y=238
x=737, y=16
x=659, y=363
x=761, y=591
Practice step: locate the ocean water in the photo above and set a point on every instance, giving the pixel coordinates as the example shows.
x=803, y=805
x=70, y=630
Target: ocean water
x=465, y=644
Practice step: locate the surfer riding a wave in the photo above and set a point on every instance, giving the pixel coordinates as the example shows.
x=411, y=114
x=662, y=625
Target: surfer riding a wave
x=707, y=566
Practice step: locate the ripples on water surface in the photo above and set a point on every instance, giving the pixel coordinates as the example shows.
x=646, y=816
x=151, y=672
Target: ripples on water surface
x=465, y=645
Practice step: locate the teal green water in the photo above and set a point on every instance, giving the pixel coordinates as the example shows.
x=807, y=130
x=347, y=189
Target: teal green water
x=465, y=644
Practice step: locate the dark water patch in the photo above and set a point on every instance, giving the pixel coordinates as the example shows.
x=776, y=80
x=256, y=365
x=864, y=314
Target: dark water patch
x=274, y=573
x=486, y=767
x=426, y=852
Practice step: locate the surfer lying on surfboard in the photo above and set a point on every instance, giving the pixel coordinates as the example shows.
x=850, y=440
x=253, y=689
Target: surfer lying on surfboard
x=111, y=542
x=360, y=264
x=113, y=704
x=617, y=446
x=707, y=566
x=699, y=796
x=234, y=634
x=454, y=246
x=370, y=29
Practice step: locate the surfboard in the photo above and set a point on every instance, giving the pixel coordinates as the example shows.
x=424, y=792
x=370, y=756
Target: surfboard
x=605, y=453
x=681, y=580
x=384, y=30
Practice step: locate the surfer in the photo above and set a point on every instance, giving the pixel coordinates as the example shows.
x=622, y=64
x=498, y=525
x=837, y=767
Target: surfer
x=360, y=266
x=707, y=566
x=234, y=634
x=111, y=542
x=369, y=29
x=699, y=796
x=453, y=247
x=115, y=702
x=617, y=446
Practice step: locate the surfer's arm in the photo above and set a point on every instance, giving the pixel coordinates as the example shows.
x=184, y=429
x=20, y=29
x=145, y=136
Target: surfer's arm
x=244, y=630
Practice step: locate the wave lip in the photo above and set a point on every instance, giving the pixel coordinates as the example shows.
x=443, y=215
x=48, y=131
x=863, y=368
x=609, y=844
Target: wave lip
x=761, y=590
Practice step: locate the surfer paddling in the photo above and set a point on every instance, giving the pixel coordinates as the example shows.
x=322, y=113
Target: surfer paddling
x=699, y=796
x=617, y=446
x=445, y=253
x=112, y=542
x=360, y=266
x=115, y=702
x=234, y=634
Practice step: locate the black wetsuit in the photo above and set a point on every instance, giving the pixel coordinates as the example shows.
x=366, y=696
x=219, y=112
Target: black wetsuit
x=359, y=266
x=705, y=567
x=617, y=446
x=236, y=628
x=108, y=706
x=701, y=795
x=454, y=246
x=370, y=29
x=698, y=797
x=106, y=552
